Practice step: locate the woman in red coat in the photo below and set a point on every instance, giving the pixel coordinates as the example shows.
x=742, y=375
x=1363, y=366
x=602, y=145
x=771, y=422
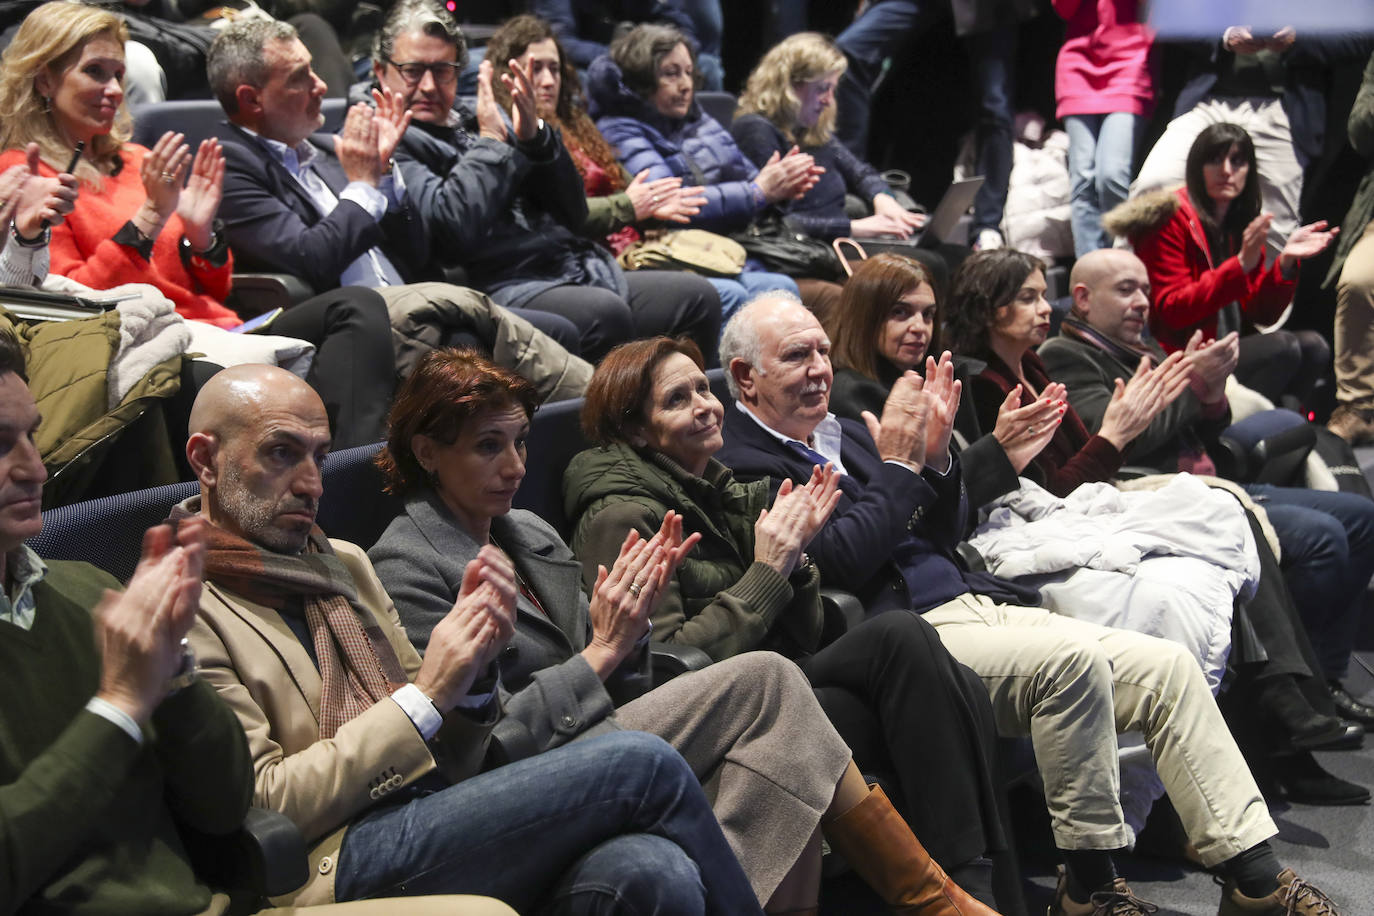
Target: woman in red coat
x=1204, y=248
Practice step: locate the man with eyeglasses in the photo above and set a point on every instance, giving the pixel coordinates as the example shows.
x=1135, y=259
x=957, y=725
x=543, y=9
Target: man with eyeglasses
x=501, y=196
x=330, y=210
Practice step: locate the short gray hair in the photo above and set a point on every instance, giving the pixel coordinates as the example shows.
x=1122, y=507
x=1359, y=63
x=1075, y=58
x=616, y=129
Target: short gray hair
x=740, y=337
x=425, y=17
x=236, y=57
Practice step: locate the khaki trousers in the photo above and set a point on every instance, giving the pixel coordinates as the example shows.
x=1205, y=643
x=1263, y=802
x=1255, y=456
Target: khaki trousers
x=1072, y=686
x=1354, y=339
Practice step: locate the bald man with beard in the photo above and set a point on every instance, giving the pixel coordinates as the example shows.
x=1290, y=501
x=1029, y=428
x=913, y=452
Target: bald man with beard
x=374, y=753
x=1326, y=538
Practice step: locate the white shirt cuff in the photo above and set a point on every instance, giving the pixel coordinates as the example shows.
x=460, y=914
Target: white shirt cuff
x=394, y=185
x=371, y=199
x=419, y=709
x=113, y=713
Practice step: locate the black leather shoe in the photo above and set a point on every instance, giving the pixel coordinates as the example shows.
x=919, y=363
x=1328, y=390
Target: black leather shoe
x=1347, y=707
x=1315, y=731
x=1304, y=782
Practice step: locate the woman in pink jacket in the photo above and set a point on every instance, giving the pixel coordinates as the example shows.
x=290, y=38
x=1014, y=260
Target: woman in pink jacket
x=1105, y=91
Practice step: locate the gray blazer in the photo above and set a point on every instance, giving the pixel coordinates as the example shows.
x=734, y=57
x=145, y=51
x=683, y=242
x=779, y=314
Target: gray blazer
x=557, y=697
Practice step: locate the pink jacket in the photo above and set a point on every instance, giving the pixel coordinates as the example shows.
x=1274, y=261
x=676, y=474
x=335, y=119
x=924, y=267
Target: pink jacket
x=1104, y=65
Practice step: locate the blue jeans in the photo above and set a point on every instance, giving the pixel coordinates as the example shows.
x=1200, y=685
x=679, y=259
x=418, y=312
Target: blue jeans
x=739, y=290
x=878, y=34
x=1327, y=540
x=612, y=824
x=1101, y=150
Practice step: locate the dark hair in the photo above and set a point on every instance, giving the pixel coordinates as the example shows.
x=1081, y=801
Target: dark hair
x=868, y=297
x=639, y=52
x=984, y=283
x=512, y=40
x=447, y=389
x=622, y=383
x=1211, y=146
x=12, y=356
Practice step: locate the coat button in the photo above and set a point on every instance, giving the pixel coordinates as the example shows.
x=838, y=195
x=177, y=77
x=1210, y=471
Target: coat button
x=568, y=721
x=326, y=865
x=394, y=782
x=374, y=794
x=510, y=652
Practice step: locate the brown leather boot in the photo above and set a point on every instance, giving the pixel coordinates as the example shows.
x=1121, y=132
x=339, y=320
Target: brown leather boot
x=878, y=844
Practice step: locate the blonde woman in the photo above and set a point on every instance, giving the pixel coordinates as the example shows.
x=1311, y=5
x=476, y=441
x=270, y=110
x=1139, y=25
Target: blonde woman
x=790, y=101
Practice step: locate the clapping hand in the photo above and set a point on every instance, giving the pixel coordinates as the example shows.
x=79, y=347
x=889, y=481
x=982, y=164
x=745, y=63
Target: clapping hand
x=201, y=198
x=664, y=199
x=1023, y=432
x=392, y=118
x=1136, y=403
x=1305, y=242
x=1210, y=364
x=469, y=637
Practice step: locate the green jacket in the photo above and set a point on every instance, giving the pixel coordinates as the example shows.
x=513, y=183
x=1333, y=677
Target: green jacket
x=722, y=601
x=81, y=439
x=88, y=818
x=1360, y=128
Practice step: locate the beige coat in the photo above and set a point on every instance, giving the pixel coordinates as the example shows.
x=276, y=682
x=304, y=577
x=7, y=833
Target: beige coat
x=252, y=657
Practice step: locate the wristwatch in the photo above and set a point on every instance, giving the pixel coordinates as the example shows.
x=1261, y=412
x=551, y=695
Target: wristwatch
x=188, y=672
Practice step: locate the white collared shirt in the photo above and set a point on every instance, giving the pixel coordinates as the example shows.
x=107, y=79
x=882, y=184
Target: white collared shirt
x=827, y=438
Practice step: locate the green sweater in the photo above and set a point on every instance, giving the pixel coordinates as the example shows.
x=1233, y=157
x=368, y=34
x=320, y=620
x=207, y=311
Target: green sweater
x=86, y=815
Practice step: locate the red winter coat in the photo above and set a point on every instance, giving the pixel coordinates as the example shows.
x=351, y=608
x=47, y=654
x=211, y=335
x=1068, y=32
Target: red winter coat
x=1186, y=289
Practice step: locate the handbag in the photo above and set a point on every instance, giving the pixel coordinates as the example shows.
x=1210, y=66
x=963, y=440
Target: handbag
x=695, y=250
x=783, y=249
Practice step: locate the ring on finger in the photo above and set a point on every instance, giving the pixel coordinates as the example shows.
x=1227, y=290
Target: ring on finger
x=168, y=177
x=636, y=588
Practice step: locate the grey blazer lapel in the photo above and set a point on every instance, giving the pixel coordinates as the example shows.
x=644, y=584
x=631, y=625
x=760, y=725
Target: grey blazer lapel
x=550, y=572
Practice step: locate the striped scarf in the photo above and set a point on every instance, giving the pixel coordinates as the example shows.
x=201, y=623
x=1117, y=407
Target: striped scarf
x=358, y=666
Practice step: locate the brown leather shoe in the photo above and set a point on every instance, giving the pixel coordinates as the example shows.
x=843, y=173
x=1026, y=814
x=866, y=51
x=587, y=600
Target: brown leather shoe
x=1295, y=897
x=1354, y=424
x=1116, y=900
x=881, y=848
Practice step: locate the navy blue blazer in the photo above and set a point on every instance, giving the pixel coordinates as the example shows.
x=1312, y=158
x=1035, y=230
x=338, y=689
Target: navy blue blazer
x=892, y=539
x=273, y=224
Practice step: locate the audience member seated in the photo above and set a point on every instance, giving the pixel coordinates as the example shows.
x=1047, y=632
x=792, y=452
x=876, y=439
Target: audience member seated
x=1327, y=537
x=790, y=101
x=1352, y=270
x=998, y=313
x=373, y=753
x=1104, y=91
x=891, y=323
x=586, y=28
x=643, y=99
x=1068, y=684
x=500, y=196
x=456, y=452
x=618, y=206
x=748, y=584
x=326, y=208
x=105, y=761
x=60, y=87
x=1204, y=246
x=1272, y=85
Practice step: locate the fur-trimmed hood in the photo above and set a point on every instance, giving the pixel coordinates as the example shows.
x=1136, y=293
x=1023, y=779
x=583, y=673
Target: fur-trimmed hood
x=1144, y=214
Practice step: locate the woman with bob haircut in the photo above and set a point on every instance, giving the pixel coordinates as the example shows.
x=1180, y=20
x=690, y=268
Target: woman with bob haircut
x=750, y=726
x=1204, y=248
x=148, y=215
x=887, y=684
x=892, y=324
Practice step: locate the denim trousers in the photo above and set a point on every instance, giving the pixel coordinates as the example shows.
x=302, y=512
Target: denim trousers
x=878, y=34
x=1327, y=542
x=611, y=824
x=1101, y=152
x=736, y=291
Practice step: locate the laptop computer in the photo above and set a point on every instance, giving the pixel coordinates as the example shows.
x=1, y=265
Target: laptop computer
x=944, y=222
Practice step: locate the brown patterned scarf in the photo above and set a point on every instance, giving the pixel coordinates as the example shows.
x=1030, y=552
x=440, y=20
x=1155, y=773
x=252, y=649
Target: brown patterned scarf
x=358, y=666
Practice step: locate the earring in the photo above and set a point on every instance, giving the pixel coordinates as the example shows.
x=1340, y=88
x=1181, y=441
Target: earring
x=47, y=104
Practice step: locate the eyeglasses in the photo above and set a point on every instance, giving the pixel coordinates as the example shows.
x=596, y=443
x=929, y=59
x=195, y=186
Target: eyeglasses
x=445, y=74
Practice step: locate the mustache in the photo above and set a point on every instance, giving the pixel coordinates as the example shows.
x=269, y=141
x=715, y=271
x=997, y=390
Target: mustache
x=299, y=504
x=816, y=388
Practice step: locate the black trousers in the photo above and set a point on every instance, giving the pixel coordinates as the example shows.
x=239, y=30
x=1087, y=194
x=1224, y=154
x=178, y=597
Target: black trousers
x=1283, y=362
x=907, y=708
x=675, y=303
x=355, y=364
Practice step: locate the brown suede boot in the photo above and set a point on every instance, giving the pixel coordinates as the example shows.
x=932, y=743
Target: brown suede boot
x=878, y=844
